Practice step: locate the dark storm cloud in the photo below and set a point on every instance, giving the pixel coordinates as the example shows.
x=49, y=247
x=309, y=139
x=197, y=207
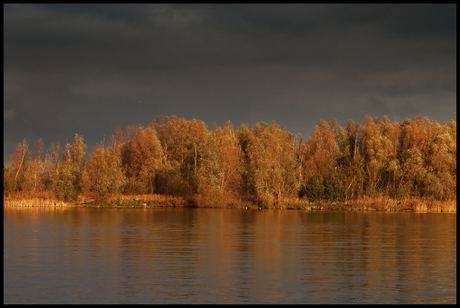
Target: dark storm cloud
x=378, y=106
x=89, y=68
x=183, y=36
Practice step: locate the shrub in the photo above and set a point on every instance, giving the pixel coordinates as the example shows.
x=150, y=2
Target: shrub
x=334, y=188
x=315, y=189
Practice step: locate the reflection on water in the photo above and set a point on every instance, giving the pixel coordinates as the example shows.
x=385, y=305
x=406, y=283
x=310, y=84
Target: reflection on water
x=227, y=256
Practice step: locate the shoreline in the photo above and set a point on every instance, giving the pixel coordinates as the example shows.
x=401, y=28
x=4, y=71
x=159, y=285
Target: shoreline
x=381, y=204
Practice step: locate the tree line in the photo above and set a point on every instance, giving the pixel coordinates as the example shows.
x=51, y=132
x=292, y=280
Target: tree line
x=264, y=164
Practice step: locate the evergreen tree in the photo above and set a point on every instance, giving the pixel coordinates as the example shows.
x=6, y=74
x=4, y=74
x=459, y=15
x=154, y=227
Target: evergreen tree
x=315, y=189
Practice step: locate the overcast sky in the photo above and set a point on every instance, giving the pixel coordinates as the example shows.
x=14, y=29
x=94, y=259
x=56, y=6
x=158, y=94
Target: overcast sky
x=87, y=69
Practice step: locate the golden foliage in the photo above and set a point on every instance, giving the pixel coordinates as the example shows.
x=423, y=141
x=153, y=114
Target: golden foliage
x=381, y=165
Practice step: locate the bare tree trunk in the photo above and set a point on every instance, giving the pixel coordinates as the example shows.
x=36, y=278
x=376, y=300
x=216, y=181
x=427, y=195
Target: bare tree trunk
x=24, y=150
x=195, y=158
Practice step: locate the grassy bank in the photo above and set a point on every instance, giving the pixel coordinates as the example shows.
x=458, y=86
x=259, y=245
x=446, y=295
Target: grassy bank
x=45, y=199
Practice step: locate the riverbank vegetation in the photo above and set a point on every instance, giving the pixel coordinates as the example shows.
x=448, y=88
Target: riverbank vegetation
x=379, y=165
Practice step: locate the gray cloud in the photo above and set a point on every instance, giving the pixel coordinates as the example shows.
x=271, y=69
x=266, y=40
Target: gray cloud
x=9, y=115
x=84, y=68
x=378, y=106
x=408, y=108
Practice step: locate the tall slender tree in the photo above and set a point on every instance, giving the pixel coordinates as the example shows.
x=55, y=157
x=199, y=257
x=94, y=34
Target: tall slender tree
x=33, y=173
x=19, y=162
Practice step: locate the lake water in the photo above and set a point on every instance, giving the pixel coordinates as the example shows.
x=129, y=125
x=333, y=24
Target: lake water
x=169, y=255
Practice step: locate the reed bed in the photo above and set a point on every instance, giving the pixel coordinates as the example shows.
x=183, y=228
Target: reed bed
x=42, y=199
x=383, y=203
x=380, y=203
x=148, y=200
x=295, y=203
x=447, y=206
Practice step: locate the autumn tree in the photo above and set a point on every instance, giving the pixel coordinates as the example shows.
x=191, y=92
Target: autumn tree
x=142, y=157
x=414, y=169
x=209, y=191
x=351, y=162
x=221, y=166
x=33, y=173
x=181, y=141
x=392, y=173
x=440, y=162
x=51, y=164
x=103, y=174
x=209, y=172
x=19, y=160
x=65, y=181
x=376, y=151
x=170, y=180
x=230, y=159
x=243, y=135
x=272, y=162
x=412, y=140
x=7, y=179
x=321, y=151
x=320, y=154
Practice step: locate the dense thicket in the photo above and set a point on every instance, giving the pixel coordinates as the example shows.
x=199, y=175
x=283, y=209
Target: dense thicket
x=266, y=164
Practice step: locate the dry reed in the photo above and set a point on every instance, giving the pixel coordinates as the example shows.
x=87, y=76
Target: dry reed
x=383, y=203
x=160, y=200
x=41, y=199
x=379, y=203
